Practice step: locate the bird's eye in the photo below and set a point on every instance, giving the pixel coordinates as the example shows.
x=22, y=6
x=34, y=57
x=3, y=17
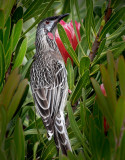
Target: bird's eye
x=47, y=22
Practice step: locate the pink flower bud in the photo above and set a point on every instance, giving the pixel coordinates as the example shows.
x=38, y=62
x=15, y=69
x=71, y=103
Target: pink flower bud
x=103, y=89
x=106, y=125
x=68, y=27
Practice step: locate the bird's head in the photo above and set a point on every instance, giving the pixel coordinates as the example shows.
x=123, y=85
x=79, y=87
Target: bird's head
x=49, y=24
x=45, y=35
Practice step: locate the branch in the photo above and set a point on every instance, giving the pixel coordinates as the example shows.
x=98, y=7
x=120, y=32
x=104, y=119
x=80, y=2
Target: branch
x=9, y=69
x=97, y=42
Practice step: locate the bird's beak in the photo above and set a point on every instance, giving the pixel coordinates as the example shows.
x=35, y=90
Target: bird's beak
x=62, y=16
x=58, y=19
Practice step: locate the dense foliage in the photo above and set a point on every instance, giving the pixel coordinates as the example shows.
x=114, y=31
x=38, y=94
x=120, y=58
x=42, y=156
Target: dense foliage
x=95, y=121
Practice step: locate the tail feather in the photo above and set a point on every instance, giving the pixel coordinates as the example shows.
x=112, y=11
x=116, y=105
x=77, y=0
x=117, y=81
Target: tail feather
x=60, y=134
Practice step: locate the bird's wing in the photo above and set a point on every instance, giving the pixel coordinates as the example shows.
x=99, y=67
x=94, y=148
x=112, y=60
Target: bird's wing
x=48, y=93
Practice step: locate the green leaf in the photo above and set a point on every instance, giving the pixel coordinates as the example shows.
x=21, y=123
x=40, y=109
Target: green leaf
x=2, y=63
x=17, y=29
x=16, y=99
x=34, y=131
x=74, y=25
x=106, y=151
x=118, y=50
x=94, y=69
x=85, y=46
x=12, y=150
x=26, y=68
x=15, y=35
x=2, y=124
x=96, y=138
x=67, y=44
x=63, y=157
x=2, y=155
x=1, y=35
x=78, y=89
x=122, y=153
x=82, y=114
x=7, y=32
x=70, y=76
x=84, y=64
x=71, y=156
x=2, y=19
x=112, y=22
x=75, y=127
x=121, y=73
x=35, y=150
x=78, y=14
x=29, y=13
x=19, y=140
x=88, y=21
x=49, y=151
x=31, y=40
x=111, y=70
x=7, y=7
x=110, y=89
x=40, y=17
x=21, y=54
x=18, y=14
x=81, y=156
x=102, y=103
x=119, y=116
x=116, y=34
x=9, y=88
x=101, y=46
x=8, y=57
x=8, y=52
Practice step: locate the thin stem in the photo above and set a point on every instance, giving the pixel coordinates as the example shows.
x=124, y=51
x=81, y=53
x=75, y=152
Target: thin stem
x=97, y=42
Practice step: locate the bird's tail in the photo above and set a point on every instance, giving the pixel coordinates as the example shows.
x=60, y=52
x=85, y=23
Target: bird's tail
x=60, y=134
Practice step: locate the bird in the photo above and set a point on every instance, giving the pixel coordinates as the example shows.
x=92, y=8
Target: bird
x=48, y=81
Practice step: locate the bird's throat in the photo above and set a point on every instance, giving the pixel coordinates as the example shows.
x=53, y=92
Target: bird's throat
x=50, y=35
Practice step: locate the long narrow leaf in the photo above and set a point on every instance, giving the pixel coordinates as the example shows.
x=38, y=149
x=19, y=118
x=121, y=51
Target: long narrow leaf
x=16, y=99
x=121, y=73
x=74, y=126
x=70, y=75
x=7, y=32
x=49, y=151
x=31, y=9
x=2, y=20
x=78, y=89
x=67, y=44
x=2, y=63
x=74, y=26
x=19, y=141
x=110, y=89
x=9, y=88
x=78, y=13
x=102, y=103
x=17, y=32
x=88, y=22
x=21, y=54
x=112, y=22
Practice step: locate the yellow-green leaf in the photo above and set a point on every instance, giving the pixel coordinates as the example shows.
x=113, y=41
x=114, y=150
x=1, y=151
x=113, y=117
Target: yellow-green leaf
x=21, y=54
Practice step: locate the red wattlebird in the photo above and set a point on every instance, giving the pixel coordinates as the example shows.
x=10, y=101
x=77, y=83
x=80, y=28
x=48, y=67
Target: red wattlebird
x=49, y=82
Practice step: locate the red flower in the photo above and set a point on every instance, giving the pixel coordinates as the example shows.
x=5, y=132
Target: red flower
x=106, y=125
x=68, y=27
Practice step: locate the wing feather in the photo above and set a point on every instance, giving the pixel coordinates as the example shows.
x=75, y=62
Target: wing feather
x=48, y=91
